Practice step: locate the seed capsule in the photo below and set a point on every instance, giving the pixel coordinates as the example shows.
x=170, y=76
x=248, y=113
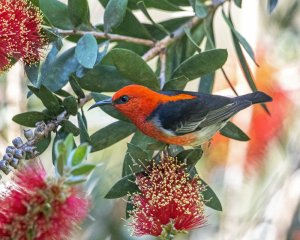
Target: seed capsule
x=14, y=163
x=17, y=142
x=28, y=133
x=8, y=157
x=20, y=154
x=11, y=150
x=4, y=167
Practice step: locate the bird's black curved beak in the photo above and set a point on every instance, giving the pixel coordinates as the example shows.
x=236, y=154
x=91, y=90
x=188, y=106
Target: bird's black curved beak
x=101, y=103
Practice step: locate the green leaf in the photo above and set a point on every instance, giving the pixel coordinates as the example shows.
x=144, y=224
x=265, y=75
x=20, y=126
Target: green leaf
x=103, y=78
x=232, y=131
x=32, y=72
x=178, y=83
x=139, y=158
x=142, y=141
x=72, y=180
x=42, y=145
x=190, y=157
x=271, y=5
x=70, y=104
x=57, y=74
x=29, y=119
x=109, y=109
x=69, y=143
x=60, y=152
x=62, y=93
x=143, y=8
x=207, y=83
x=70, y=127
x=201, y=64
x=210, y=198
x=133, y=67
x=123, y=187
x=59, y=136
x=86, y=51
x=75, y=86
x=240, y=38
x=79, y=154
x=79, y=12
x=189, y=35
x=238, y=3
x=114, y=14
x=82, y=169
x=129, y=207
x=84, y=136
x=57, y=13
x=111, y=134
x=200, y=9
x=50, y=101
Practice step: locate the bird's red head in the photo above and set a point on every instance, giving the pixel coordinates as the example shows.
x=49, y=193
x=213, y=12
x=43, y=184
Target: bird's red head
x=136, y=102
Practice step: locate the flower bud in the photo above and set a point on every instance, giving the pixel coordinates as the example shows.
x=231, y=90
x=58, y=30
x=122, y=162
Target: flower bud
x=17, y=142
x=14, y=163
x=8, y=157
x=20, y=154
x=28, y=133
x=4, y=167
x=11, y=149
x=39, y=132
x=29, y=149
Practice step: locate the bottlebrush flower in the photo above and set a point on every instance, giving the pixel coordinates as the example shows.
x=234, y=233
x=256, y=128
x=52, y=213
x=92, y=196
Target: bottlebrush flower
x=169, y=201
x=20, y=32
x=40, y=208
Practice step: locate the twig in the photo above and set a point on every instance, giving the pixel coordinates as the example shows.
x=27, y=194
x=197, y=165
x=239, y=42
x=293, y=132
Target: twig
x=162, y=75
x=162, y=44
x=42, y=130
x=114, y=37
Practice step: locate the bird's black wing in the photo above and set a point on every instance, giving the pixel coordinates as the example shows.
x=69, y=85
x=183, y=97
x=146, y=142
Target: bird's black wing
x=186, y=116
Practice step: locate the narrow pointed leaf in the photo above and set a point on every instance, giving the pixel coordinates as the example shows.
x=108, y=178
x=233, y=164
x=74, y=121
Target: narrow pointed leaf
x=111, y=134
x=232, y=131
x=143, y=8
x=123, y=187
x=240, y=38
x=82, y=169
x=84, y=136
x=210, y=198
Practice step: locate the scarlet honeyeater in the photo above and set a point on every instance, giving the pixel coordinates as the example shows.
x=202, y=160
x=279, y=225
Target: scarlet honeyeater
x=179, y=117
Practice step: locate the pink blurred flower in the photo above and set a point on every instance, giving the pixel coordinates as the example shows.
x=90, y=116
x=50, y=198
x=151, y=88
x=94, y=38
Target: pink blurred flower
x=169, y=201
x=36, y=207
x=20, y=32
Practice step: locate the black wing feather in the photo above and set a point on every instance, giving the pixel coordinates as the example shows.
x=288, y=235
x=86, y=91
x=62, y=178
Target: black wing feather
x=185, y=116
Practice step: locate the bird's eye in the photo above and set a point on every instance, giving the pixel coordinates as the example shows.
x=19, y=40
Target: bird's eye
x=124, y=99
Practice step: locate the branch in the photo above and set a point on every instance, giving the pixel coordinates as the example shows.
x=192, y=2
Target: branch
x=114, y=37
x=42, y=130
x=162, y=75
x=162, y=44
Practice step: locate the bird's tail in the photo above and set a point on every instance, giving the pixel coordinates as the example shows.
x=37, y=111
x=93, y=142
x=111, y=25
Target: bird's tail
x=256, y=97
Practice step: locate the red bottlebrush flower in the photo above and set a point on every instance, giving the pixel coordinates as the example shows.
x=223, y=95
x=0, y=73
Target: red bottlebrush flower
x=20, y=32
x=35, y=207
x=169, y=201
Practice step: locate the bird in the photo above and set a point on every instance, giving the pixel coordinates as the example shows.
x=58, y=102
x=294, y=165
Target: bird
x=179, y=117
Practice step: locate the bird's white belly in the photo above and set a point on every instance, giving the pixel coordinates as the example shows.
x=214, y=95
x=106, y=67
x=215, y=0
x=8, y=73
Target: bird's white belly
x=206, y=133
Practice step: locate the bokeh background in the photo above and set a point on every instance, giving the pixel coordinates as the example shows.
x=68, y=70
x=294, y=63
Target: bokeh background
x=258, y=182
